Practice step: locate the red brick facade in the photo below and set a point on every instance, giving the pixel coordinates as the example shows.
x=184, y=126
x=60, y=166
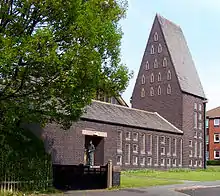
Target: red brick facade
x=212, y=143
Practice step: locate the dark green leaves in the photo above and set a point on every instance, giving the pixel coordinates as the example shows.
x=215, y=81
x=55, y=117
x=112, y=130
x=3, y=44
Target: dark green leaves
x=54, y=56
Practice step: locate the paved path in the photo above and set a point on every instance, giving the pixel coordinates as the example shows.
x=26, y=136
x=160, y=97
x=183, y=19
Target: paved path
x=168, y=190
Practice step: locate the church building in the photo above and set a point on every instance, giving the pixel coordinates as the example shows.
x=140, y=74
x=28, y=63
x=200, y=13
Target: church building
x=163, y=128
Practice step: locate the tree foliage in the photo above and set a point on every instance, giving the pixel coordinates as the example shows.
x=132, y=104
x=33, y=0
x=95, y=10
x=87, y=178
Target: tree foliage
x=55, y=55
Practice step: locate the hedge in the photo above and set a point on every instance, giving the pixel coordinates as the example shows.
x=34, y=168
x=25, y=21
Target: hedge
x=213, y=162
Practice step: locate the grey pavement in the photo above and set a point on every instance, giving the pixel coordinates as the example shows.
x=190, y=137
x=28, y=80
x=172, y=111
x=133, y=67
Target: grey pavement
x=198, y=189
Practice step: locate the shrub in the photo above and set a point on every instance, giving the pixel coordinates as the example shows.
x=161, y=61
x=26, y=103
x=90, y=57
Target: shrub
x=213, y=162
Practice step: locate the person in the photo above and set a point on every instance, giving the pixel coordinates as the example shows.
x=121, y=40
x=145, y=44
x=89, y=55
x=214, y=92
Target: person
x=91, y=149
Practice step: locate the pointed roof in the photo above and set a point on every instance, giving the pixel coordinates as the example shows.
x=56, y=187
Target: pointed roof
x=213, y=113
x=180, y=55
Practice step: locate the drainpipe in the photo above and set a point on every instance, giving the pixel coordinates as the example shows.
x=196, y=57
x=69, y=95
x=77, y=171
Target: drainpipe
x=204, y=106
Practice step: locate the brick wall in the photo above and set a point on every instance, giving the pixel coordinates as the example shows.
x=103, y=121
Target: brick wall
x=67, y=147
x=164, y=103
x=190, y=131
x=212, y=145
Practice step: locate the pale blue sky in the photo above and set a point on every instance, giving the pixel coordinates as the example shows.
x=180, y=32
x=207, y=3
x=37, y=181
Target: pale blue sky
x=200, y=22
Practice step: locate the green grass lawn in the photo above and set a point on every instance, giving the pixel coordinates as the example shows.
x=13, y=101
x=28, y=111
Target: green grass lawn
x=128, y=181
x=144, y=178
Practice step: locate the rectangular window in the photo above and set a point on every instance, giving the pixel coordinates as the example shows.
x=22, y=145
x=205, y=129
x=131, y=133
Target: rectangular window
x=162, y=140
x=119, y=160
x=190, y=153
x=142, y=161
x=200, y=149
x=128, y=135
x=150, y=142
x=149, y=161
x=190, y=163
x=200, y=135
x=195, y=120
x=216, y=122
x=143, y=143
x=216, y=154
x=216, y=138
x=135, y=148
x=168, y=162
x=200, y=107
x=135, y=160
x=195, y=106
x=174, y=147
x=157, y=151
x=195, y=163
x=174, y=162
x=168, y=146
x=195, y=150
x=200, y=126
x=200, y=116
x=119, y=142
x=162, y=150
x=181, y=151
x=135, y=136
x=162, y=162
x=127, y=154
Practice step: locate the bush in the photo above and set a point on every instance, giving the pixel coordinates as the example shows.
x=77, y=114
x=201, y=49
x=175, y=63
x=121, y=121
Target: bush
x=213, y=162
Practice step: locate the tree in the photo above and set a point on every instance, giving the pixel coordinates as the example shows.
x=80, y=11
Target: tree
x=55, y=55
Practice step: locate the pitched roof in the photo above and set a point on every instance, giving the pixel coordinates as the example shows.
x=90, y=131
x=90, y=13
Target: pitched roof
x=215, y=112
x=180, y=55
x=122, y=115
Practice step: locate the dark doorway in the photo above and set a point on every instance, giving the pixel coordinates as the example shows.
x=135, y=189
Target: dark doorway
x=98, y=142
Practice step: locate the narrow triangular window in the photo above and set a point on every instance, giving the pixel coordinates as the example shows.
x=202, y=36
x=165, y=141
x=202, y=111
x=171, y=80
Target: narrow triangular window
x=165, y=62
x=143, y=79
x=159, y=50
x=156, y=36
x=159, y=90
x=159, y=76
x=152, y=78
x=152, y=49
x=155, y=63
x=168, y=89
x=168, y=75
x=147, y=65
x=151, y=91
